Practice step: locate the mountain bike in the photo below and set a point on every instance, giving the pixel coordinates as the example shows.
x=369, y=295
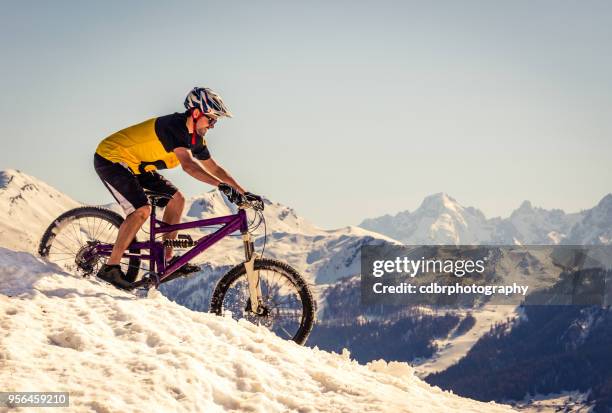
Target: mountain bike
x=264, y=291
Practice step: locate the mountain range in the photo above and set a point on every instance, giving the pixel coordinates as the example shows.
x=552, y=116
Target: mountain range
x=440, y=219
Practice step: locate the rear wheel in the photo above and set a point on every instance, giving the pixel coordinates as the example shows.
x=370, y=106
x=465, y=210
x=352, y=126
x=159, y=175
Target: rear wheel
x=288, y=304
x=70, y=240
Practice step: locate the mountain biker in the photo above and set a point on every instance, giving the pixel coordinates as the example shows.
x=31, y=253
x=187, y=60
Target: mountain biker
x=127, y=161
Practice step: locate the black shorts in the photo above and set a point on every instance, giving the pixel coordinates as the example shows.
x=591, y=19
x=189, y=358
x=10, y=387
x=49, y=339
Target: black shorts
x=128, y=188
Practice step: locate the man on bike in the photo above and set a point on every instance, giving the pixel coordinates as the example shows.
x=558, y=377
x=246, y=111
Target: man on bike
x=127, y=161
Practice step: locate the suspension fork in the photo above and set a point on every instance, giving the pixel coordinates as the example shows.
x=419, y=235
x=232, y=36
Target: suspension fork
x=252, y=275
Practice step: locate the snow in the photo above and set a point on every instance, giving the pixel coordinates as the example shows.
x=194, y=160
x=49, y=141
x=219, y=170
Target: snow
x=27, y=207
x=115, y=352
x=453, y=348
x=567, y=402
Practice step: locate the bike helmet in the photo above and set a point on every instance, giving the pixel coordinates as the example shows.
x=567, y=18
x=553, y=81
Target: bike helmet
x=209, y=102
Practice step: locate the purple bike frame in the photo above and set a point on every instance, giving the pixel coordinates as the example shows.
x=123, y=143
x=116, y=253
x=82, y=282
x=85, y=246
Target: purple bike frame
x=156, y=256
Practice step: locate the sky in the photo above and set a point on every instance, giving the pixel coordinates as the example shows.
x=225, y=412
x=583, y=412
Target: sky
x=343, y=110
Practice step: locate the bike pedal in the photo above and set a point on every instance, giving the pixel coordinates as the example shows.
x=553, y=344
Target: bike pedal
x=181, y=273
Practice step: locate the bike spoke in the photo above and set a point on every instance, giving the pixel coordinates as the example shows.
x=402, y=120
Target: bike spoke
x=280, y=298
x=76, y=234
x=89, y=226
x=68, y=249
x=63, y=259
x=289, y=335
x=96, y=228
x=61, y=253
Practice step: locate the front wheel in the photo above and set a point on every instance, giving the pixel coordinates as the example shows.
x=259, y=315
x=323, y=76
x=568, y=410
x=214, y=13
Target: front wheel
x=289, y=307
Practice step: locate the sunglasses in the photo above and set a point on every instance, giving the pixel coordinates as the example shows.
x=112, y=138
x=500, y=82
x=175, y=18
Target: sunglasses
x=211, y=121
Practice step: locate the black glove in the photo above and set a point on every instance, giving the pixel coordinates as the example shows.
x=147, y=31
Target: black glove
x=232, y=194
x=255, y=200
x=252, y=197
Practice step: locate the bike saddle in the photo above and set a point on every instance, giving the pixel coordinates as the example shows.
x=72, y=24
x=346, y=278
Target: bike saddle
x=156, y=195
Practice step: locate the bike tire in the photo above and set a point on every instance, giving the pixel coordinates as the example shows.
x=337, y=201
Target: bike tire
x=308, y=304
x=65, y=219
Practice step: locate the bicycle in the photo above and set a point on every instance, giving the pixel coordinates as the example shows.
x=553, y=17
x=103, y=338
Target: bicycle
x=264, y=291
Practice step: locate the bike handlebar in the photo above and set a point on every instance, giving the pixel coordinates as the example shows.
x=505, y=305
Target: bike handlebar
x=252, y=201
x=248, y=200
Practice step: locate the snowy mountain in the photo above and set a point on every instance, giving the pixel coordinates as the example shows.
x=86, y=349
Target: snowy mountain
x=27, y=207
x=531, y=225
x=595, y=226
x=547, y=350
x=440, y=219
x=431, y=338
x=279, y=218
x=114, y=352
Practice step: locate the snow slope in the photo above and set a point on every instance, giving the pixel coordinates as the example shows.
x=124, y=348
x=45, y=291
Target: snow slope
x=27, y=207
x=114, y=352
x=453, y=348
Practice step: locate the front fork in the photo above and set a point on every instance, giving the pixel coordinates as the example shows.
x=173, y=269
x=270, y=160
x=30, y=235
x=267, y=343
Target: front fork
x=252, y=275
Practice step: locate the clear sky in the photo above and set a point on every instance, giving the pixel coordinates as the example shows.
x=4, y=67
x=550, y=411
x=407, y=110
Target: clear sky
x=343, y=109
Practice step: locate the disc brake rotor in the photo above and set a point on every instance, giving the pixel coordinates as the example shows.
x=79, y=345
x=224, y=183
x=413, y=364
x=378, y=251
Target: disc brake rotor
x=262, y=318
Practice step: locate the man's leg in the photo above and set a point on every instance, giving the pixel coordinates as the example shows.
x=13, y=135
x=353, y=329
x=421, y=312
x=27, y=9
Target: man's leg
x=127, y=231
x=173, y=207
x=128, y=192
x=172, y=215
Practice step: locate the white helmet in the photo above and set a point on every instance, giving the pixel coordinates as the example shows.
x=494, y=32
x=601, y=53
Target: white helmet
x=209, y=102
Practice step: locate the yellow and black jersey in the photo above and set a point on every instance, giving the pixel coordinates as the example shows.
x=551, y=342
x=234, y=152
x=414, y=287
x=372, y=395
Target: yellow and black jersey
x=149, y=145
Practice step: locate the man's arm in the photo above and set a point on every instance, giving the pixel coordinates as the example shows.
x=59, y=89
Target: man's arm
x=195, y=168
x=217, y=170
